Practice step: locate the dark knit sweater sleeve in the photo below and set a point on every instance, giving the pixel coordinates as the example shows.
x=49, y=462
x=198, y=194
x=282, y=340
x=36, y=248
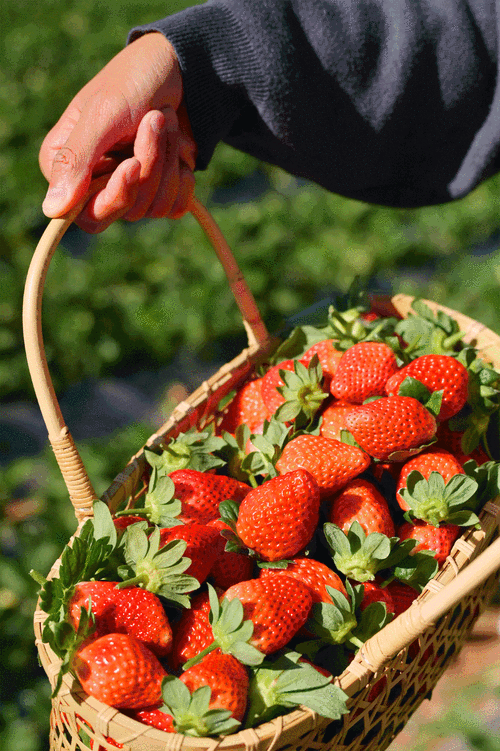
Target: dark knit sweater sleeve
x=387, y=101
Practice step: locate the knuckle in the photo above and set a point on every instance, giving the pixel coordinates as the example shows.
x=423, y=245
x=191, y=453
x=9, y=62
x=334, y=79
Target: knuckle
x=65, y=158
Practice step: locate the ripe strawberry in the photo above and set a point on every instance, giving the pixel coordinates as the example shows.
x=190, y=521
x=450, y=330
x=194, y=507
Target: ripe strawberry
x=438, y=539
x=328, y=356
x=192, y=632
x=437, y=372
x=373, y=592
x=271, y=381
x=402, y=596
x=278, y=607
x=361, y=501
x=122, y=522
x=247, y=408
x=393, y=427
x=201, y=492
x=434, y=460
x=131, y=610
x=153, y=716
x=229, y=567
x=202, y=546
x=330, y=462
x=363, y=371
x=333, y=419
x=314, y=574
x=228, y=681
x=119, y=671
x=277, y=519
x=451, y=440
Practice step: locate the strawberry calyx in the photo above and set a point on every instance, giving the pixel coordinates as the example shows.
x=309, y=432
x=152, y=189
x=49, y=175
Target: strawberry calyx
x=158, y=569
x=230, y=630
x=235, y=453
x=426, y=332
x=190, y=450
x=435, y=501
x=302, y=391
x=483, y=401
x=431, y=400
x=191, y=712
x=160, y=505
x=287, y=682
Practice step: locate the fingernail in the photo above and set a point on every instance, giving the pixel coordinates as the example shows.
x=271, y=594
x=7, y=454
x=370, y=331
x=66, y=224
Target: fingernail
x=157, y=122
x=54, y=200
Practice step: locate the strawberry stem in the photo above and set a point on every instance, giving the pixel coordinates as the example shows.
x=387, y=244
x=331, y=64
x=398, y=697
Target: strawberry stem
x=204, y=652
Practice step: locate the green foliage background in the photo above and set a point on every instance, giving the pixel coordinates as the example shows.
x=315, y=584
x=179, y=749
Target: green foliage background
x=136, y=295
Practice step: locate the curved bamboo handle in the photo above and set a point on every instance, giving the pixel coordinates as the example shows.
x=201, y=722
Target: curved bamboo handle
x=80, y=489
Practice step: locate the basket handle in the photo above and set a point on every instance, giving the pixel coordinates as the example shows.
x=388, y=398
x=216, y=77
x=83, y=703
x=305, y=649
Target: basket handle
x=80, y=489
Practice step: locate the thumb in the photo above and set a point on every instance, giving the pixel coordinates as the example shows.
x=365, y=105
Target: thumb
x=69, y=180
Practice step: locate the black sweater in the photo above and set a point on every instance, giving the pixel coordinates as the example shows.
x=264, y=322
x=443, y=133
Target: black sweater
x=392, y=102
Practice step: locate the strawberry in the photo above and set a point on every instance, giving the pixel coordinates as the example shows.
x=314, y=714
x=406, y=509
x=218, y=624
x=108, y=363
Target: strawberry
x=201, y=492
x=192, y=632
x=122, y=522
x=373, y=592
x=119, y=671
x=277, y=606
x=277, y=519
x=230, y=567
x=328, y=356
x=437, y=539
x=202, y=546
x=391, y=428
x=330, y=462
x=314, y=574
x=247, y=408
x=434, y=460
x=402, y=595
x=361, y=501
x=132, y=611
x=227, y=679
x=363, y=371
x=451, y=440
x=439, y=373
x=271, y=381
x=434, y=487
x=333, y=419
x=153, y=716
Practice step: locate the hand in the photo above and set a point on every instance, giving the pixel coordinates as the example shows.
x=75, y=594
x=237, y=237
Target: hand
x=128, y=121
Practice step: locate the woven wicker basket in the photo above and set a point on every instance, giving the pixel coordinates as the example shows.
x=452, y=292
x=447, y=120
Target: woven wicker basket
x=411, y=653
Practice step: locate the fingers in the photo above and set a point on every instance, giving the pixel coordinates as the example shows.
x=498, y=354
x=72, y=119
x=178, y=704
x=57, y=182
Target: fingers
x=114, y=200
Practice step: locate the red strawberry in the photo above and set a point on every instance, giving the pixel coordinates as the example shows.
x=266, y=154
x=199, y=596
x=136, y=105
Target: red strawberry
x=247, y=408
x=201, y=492
x=119, y=671
x=435, y=460
x=363, y=371
x=375, y=593
x=122, y=522
x=229, y=567
x=315, y=575
x=270, y=383
x=393, y=427
x=330, y=462
x=451, y=440
x=131, y=610
x=228, y=681
x=439, y=539
x=437, y=372
x=402, y=596
x=202, y=546
x=153, y=716
x=328, y=356
x=277, y=519
x=333, y=419
x=278, y=607
x=361, y=501
x=193, y=632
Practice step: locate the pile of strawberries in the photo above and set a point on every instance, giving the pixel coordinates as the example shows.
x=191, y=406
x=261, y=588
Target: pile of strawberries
x=268, y=547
